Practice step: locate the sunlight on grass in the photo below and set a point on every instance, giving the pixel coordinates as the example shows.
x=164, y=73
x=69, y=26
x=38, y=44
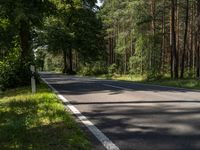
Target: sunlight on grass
x=182, y=83
x=185, y=83
x=122, y=77
x=37, y=122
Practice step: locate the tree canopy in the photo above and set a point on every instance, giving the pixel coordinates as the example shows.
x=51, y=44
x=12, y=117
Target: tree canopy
x=156, y=38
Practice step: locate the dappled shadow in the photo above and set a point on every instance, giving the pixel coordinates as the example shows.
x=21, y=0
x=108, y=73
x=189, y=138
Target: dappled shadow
x=149, y=126
x=83, y=85
x=31, y=124
x=80, y=88
x=23, y=91
x=136, y=116
x=14, y=92
x=134, y=102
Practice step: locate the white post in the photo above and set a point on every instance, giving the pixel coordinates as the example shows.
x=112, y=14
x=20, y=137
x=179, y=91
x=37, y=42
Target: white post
x=33, y=84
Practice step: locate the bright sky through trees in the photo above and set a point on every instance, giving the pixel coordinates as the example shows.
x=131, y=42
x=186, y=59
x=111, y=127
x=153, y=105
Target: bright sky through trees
x=99, y=3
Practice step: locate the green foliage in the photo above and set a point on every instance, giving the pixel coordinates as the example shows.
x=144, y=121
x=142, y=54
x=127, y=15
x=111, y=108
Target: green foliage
x=130, y=34
x=33, y=11
x=112, y=69
x=88, y=36
x=12, y=74
x=57, y=35
x=40, y=55
x=7, y=36
x=53, y=62
x=75, y=30
x=17, y=19
x=38, y=122
x=92, y=69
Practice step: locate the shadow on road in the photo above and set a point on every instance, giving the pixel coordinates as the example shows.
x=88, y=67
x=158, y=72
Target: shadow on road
x=140, y=117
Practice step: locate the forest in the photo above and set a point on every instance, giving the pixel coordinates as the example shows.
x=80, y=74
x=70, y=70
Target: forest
x=152, y=38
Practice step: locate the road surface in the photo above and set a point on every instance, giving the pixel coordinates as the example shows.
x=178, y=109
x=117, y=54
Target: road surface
x=135, y=116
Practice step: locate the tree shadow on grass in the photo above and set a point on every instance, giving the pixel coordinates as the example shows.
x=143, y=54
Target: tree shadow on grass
x=23, y=126
x=41, y=88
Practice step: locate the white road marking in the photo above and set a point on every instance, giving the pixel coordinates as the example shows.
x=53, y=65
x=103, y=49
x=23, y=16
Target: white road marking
x=107, y=143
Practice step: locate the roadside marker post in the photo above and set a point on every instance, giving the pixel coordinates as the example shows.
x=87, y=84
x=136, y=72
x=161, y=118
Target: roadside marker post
x=33, y=83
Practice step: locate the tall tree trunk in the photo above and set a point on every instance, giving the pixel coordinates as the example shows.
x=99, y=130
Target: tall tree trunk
x=185, y=39
x=162, y=53
x=191, y=38
x=24, y=35
x=171, y=49
x=153, y=31
x=198, y=39
x=177, y=7
x=174, y=50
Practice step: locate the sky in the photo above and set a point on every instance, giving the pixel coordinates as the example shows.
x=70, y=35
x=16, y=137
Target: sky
x=99, y=3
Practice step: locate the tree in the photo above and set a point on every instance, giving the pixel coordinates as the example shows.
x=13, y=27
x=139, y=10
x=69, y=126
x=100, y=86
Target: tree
x=24, y=15
x=75, y=30
x=59, y=40
x=173, y=40
x=185, y=39
x=198, y=39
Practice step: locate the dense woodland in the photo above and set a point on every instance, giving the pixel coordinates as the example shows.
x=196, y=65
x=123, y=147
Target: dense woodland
x=155, y=38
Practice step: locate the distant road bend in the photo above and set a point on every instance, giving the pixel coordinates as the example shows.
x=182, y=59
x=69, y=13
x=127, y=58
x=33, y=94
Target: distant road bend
x=135, y=116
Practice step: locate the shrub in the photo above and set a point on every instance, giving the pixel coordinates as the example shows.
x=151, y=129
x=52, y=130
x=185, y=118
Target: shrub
x=92, y=69
x=12, y=74
x=112, y=69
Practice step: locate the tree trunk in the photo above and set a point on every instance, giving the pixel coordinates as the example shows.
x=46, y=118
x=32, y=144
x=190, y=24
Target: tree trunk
x=191, y=38
x=24, y=35
x=162, y=53
x=65, y=61
x=171, y=49
x=174, y=50
x=198, y=39
x=185, y=39
x=70, y=69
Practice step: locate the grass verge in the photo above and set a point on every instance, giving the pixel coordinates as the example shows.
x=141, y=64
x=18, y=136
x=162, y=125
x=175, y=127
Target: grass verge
x=37, y=122
x=181, y=83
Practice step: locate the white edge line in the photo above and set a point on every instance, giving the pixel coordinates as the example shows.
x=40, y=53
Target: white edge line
x=107, y=143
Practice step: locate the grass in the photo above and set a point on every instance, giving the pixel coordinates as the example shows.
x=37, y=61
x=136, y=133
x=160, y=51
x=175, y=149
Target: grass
x=37, y=122
x=122, y=77
x=181, y=83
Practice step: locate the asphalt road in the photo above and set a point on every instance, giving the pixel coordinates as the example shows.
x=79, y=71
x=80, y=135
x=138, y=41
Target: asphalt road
x=135, y=116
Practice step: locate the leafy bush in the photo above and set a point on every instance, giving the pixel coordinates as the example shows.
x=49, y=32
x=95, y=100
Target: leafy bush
x=12, y=72
x=112, y=69
x=53, y=63
x=92, y=69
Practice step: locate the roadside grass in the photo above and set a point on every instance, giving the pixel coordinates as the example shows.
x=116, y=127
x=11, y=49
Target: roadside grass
x=181, y=83
x=122, y=77
x=37, y=122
